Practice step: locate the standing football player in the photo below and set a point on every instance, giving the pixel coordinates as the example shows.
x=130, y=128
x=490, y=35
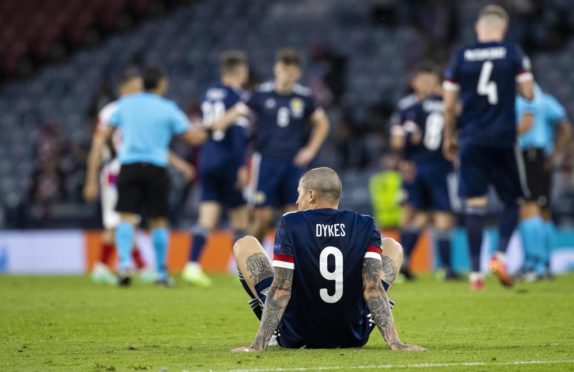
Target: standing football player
x=327, y=286
x=283, y=110
x=540, y=122
x=222, y=164
x=429, y=193
x=485, y=76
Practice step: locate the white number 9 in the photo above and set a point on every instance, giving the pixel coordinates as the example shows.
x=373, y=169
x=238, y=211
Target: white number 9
x=336, y=275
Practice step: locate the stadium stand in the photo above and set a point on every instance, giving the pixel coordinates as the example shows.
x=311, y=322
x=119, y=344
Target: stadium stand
x=358, y=62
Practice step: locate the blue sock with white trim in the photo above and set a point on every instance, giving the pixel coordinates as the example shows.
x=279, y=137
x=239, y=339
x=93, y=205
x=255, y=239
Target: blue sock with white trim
x=160, y=241
x=549, y=232
x=124, y=235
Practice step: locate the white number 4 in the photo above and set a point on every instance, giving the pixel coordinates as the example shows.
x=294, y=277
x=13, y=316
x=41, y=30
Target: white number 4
x=486, y=87
x=335, y=275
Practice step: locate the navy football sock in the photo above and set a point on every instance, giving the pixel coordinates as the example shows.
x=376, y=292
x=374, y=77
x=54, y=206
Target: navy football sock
x=506, y=226
x=245, y=286
x=262, y=288
x=197, y=243
x=409, y=237
x=443, y=243
x=474, y=223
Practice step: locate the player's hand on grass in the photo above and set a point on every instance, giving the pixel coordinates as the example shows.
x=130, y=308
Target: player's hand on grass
x=405, y=347
x=90, y=191
x=304, y=157
x=244, y=349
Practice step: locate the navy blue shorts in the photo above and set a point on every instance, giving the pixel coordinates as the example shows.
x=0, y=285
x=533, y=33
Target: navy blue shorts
x=277, y=182
x=430, y=191
x=502, y=167
x=220, y=185
x=407, y=192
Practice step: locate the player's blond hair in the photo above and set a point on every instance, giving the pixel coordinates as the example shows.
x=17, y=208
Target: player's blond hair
x=325, y=182
x=491, y=11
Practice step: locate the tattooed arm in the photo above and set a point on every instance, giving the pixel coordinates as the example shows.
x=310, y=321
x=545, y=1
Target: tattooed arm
x=275, y=305
x=378, y=302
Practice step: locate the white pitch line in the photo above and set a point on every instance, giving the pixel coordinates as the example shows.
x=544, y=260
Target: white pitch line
x=419, y=365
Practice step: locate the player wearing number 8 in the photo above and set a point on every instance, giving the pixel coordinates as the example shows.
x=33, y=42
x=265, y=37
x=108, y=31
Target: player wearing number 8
x=485, y=76
x=327, y=286
x=285, y=113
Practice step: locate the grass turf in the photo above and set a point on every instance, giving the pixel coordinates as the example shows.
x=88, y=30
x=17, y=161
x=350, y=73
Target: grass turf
x=68, y=323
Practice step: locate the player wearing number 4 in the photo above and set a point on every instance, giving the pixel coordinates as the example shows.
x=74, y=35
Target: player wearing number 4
x=327, y=286
x=222, y=171
x=486, y=75
x=283, y=110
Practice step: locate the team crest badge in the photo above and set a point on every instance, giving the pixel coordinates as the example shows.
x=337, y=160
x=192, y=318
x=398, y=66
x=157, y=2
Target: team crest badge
x=297, y=107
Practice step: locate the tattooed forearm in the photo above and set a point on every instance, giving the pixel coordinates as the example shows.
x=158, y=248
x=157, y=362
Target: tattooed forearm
x=389, y=270
x=377, y=300
x=275, y=305
x=258, y=267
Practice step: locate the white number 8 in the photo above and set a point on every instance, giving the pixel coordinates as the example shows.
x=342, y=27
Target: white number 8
x=336, y=275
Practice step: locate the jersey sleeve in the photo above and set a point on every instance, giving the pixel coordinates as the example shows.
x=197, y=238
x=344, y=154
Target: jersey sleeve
x=374, y=249
x=283, y=255
x=523, y=66
x=452, y=74
x=113, y=120
x=252, y=101
x=311, y=106
x=554, y=110
x=180, y=122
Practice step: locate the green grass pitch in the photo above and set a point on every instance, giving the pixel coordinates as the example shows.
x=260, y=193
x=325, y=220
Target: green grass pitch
x=68, y=323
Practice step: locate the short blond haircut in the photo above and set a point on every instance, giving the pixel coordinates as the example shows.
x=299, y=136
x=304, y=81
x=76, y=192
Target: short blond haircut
x=325, y=182
x=494, y=11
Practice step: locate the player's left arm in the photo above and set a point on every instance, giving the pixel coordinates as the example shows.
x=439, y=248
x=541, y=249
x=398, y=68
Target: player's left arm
x=185, y=168
x=275, y=305
x=563, y=136
x=450, y=146
x=378, y=302
x=102, y=135
x=321, y=127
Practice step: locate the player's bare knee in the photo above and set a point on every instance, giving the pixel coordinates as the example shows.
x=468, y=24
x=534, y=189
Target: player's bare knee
x=244, y=245
x=393, y=250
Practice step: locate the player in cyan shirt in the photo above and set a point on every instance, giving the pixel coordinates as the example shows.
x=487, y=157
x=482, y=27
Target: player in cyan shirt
x=330, y=274
x=539, y=123
x=288, y=132
x=485, y=76
x=147, y=123
x=222, y=164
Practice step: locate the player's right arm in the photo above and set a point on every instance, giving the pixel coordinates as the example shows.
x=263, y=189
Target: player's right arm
x=378, y=302
x=525, y=123
x=231, y=116
x=103, y=134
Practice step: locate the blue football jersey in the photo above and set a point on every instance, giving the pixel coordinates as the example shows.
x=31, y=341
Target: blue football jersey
x=281, y=121
x=326, y=249
x=404, y=108
x=224, y=147
x=427, y=117
x=486, y=74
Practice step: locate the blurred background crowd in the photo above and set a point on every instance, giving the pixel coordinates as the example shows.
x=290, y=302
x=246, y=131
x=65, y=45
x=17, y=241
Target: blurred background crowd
x=60, y=61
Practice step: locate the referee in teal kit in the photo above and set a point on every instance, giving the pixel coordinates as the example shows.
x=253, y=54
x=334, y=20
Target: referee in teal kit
x=147, y=122
x=544, y=132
